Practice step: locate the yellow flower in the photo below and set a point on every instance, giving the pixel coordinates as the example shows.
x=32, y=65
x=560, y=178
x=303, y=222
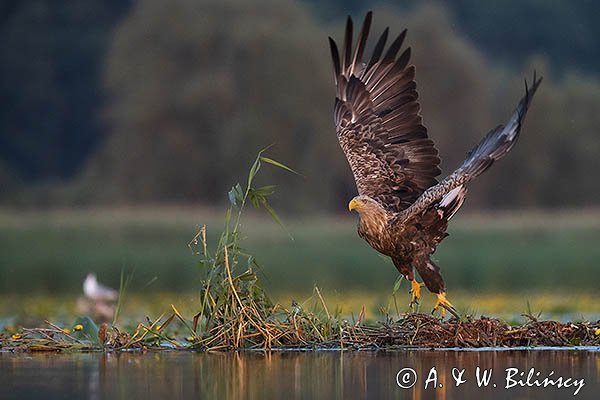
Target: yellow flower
x=66, y=330
x=190, y=339
x=597, y=333
x=77, y=327
x=16, y=336
x=158, y=327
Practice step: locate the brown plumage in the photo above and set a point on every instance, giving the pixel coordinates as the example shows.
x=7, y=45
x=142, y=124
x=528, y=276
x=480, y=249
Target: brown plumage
x=404, y=210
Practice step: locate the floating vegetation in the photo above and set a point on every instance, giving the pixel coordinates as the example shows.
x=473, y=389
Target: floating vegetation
x=286, y=329
x=426, y=331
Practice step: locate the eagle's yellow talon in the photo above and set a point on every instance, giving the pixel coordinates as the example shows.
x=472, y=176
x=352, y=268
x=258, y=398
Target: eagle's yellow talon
x=445, y=304
x=415, y=291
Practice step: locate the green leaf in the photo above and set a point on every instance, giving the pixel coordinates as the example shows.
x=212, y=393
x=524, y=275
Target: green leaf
x=249, y=275
x=236, y=195
x=254, y=170
x=265, y=190
x=256, y=198
x=277, y=164
x=89, y=330
x=11, y=321
x=231, y=196
x=239, y=192
x=275, y=217
x=397, y=284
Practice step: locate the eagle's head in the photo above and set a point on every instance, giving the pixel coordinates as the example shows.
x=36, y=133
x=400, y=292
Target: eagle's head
x=373, y=217
x=368, y=209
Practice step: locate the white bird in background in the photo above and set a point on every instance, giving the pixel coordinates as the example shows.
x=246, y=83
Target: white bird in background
x=95, y=291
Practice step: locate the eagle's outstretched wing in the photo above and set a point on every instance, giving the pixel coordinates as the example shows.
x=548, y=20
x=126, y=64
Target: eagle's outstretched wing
x=495, y=145
x=378, y=121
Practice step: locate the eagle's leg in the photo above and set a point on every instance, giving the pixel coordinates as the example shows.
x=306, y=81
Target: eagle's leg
x=415, y=291
x=406, y=269
x=435, y=283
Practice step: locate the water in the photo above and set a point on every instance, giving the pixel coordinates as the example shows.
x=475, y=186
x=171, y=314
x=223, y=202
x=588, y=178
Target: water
x=292, y=375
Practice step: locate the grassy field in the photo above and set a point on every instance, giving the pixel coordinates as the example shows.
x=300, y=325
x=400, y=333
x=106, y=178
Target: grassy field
x=515, y=257
x=34, y=309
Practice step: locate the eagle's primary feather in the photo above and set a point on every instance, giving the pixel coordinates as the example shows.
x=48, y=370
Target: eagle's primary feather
x=404, y=210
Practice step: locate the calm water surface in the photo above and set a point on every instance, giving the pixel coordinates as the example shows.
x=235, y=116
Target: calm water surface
x=296, y=375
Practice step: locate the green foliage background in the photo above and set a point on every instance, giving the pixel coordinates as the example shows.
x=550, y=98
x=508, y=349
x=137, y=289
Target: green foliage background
x=151, y=101
x=517, y=253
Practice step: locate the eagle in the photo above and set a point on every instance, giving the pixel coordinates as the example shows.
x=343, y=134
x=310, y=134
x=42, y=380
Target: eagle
x=403, y=208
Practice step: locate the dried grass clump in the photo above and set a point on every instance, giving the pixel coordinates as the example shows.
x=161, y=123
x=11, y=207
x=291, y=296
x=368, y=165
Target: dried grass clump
x=235, y=311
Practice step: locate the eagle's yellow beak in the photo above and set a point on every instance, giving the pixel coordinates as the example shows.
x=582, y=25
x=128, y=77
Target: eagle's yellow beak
x=354, y=203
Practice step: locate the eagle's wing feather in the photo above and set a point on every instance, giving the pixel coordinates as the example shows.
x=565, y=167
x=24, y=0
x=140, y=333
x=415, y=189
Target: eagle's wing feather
x=378, y=122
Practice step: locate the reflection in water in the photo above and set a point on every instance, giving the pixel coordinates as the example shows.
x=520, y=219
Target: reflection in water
x=289, y=375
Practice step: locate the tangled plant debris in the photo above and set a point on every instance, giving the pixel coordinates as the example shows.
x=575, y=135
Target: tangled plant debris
x=426, y=331
x=299, y=329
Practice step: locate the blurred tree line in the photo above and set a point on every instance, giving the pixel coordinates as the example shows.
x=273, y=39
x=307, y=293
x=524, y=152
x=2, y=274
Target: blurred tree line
x=170, y=101
x=51, y=72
